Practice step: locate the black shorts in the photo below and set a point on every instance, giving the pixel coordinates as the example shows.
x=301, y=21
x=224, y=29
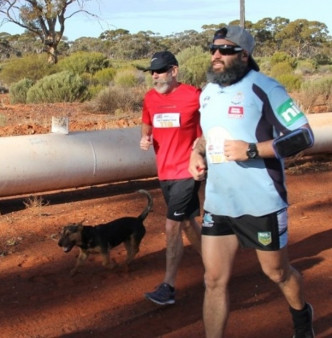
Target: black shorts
x=181, y=197
x=268, y=232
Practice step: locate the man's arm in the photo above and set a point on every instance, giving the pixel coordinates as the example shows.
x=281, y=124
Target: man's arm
x=146, y=136
x=236, y=150
x=197, y=164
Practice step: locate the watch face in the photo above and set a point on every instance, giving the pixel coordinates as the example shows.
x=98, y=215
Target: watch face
x=252, y=151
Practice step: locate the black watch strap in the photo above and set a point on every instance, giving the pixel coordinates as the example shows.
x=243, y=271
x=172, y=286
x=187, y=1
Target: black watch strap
x=252, y=151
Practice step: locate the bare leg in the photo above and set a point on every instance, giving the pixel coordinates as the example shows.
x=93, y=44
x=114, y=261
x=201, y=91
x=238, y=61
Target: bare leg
x=193, y=232
x=174, y=250
x=218, y=254
x=275, y=265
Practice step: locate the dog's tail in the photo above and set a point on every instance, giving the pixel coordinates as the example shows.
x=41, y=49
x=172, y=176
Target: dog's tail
x=148, y=208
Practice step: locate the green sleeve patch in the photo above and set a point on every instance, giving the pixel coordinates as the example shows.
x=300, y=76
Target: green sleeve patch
x=289, y=112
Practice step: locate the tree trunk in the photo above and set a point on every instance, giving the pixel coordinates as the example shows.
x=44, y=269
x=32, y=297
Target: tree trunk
x=52, y=55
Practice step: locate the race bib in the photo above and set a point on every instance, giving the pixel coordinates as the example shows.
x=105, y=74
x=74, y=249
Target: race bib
x=215, y=144
x=166, y=120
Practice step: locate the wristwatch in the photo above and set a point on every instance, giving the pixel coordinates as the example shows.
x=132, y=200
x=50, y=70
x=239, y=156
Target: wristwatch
x=252, y=151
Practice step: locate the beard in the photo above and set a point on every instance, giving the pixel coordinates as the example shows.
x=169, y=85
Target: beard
x=231, y=73
x=163, y=86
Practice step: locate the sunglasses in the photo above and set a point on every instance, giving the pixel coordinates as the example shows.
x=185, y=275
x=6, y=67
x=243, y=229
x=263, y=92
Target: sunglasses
x=225, y=49
x=161, y=70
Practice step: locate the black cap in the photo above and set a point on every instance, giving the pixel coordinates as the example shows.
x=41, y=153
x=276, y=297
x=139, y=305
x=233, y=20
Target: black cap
x=162, y=60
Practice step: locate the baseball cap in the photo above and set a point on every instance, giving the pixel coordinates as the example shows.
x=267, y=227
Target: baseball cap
x=240, y=37
x=162, y=60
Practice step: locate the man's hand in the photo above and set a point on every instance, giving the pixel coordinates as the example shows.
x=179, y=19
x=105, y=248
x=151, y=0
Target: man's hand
x=235, y=150
x=197, y=166
x=146, y=142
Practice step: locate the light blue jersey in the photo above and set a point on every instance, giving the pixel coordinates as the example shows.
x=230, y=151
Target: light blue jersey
x=255, y=109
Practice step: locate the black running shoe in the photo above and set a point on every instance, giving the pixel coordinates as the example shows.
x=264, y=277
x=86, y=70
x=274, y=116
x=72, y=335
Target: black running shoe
x=303, y=323
x=163, y=295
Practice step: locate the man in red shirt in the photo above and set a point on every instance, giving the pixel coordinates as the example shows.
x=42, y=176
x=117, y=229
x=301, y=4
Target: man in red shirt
x=170, y=122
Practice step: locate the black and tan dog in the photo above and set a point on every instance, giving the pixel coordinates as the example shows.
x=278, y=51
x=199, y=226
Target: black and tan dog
x=102, y=238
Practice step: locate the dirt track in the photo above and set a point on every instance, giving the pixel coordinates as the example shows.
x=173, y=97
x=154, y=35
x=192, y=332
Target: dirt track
x=39, y=299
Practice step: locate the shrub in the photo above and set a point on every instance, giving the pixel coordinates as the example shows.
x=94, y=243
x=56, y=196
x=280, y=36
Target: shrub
x=311, y=90
x=60, y=87
x=83, y=62
x=306, y=67
x=291, y=82
x=280, y=57
x=32, y=67
x=193, y=66
x=115, y=99
x=18, y=91
x=281, y=69
x=104, y=76
x=128, y=78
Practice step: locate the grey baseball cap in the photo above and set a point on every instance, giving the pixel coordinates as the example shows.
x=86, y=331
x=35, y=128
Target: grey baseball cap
x=240, y=37
x=162, y=60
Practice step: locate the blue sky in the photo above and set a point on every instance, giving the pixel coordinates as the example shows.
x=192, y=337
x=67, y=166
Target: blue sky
x=166, y=17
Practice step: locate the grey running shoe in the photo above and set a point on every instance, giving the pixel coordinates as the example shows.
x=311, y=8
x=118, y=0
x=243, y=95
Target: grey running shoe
x=163, y=295
x=305, y=329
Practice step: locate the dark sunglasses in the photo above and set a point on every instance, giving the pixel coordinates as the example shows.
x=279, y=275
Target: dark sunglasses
x=225, y=49
x=161, y=70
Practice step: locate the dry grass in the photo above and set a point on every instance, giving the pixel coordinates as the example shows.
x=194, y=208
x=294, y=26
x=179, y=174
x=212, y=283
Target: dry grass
x=34, y=202
x=308, y=164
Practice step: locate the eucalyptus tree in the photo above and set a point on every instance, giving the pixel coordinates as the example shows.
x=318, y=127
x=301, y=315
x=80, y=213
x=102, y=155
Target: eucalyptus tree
x=302, y=38
x=42, y=18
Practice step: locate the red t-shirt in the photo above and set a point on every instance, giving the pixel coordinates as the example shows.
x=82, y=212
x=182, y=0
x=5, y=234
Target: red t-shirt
x=175, y=121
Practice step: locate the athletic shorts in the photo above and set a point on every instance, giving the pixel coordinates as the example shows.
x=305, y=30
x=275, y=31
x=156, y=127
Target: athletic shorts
x=181, y=197
x=268, y=232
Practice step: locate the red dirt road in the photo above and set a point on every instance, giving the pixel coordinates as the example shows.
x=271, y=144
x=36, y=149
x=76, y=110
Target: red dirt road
x=38, y=298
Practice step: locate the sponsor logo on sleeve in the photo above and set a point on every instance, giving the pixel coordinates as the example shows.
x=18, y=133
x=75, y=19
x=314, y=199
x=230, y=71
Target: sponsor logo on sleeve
x=289, y=112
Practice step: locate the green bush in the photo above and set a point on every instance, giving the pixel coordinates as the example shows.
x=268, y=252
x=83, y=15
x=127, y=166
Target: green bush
x=193, y=64
x=281, y=68
x=18, y=91
x=83, y=62
x=306, y=67
x=94, y=90
x=115, y=99
x=291, y=82
x=280, y=57
x=59, y=87
x=32, y=67
x=104, y=76
x=128, y=78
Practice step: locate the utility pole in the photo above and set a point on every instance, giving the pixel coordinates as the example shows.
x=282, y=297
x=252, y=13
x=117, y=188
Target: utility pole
x=242, y=13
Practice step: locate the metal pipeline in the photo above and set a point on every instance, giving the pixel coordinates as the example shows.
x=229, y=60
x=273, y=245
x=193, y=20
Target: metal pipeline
x=321, y=125
x=39, y=163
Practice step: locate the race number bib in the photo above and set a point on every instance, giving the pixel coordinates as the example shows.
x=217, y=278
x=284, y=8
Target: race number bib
x=166, y=120
x=215, y=144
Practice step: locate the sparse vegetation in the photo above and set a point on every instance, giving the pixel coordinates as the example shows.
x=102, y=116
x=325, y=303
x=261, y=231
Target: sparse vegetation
x=34, y=202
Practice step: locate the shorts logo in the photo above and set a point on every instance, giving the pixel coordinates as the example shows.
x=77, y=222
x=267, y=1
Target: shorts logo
x=208, y=220
x=289, y=112
x=178, y=213
x=264, y=238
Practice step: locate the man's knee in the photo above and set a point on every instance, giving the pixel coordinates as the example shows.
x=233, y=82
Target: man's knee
x=279, y=276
